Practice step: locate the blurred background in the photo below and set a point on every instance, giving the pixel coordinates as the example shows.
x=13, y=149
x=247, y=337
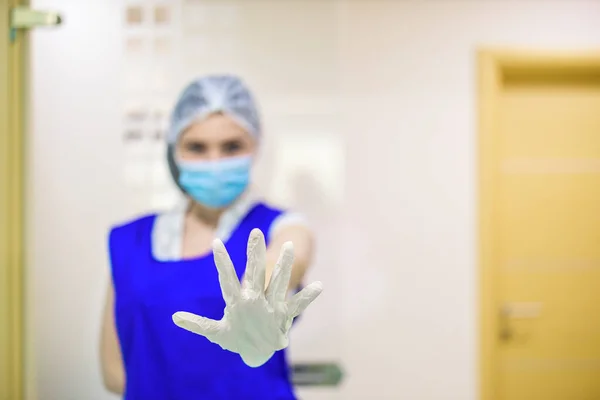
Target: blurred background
x=370, y=111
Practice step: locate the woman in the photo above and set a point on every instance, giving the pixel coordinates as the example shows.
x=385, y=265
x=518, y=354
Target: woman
x=164, y=277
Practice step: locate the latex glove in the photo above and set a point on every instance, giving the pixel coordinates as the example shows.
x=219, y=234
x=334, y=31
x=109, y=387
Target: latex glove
x=255, y=323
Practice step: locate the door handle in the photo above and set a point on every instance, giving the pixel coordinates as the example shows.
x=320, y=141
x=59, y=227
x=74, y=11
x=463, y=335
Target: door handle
x=25, y=18
x=517, y=311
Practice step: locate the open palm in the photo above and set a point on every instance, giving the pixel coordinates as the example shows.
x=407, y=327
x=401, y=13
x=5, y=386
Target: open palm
x=256, y=322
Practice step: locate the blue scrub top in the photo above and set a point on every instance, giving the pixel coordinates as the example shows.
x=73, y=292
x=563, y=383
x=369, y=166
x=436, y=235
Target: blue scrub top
x=163, y=361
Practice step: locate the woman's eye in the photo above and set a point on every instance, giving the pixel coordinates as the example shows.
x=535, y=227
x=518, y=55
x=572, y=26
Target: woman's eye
x=196, y=147
x=232, y=147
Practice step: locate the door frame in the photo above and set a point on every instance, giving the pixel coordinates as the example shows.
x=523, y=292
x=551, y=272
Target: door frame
x=12, y=131
x=493, y=66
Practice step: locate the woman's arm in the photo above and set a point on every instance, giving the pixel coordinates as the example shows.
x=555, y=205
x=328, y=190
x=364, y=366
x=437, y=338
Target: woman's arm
x=113, y=372
x=302, y=238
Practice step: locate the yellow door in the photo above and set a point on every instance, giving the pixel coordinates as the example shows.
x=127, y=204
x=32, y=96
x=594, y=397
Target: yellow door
x=545, y=233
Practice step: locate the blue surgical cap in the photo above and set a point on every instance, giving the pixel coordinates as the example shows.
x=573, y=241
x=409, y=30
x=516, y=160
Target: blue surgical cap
x=211, y=94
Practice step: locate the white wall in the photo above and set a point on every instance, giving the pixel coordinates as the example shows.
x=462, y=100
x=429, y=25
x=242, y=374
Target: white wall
x=410, y=70
x=72, y=194
x=398, y=259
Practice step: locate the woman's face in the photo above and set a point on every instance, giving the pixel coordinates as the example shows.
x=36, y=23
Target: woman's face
x=214, y=138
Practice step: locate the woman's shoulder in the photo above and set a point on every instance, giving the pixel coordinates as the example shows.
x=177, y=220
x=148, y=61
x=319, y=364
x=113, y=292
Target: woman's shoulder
x=133, y=222
x=133, y=227
x=269, y=207
x=284, y=217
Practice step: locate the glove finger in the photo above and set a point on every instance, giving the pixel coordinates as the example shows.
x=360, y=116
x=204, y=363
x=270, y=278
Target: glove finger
x=280, y=280
x=298, y=303
x=197, y=324
x=254, y=277
x=230, y=284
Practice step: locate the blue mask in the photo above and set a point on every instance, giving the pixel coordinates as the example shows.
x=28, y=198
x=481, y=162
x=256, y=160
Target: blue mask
x=215, y=184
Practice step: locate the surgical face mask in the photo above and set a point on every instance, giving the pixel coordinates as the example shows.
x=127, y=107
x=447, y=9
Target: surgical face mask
x=215, y=184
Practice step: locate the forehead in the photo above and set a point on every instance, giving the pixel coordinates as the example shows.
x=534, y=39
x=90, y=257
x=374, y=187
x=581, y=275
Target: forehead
x=215, y=127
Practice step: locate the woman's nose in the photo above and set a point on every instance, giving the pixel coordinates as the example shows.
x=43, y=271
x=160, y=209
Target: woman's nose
x=214, y=155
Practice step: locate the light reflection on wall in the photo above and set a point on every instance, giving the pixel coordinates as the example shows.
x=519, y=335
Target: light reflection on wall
x=309, y=171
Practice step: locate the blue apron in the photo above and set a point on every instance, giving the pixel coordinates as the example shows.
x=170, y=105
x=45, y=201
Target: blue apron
x=163, y=361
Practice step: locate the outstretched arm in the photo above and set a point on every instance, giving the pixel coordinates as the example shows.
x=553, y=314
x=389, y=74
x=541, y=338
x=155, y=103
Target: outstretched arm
x=255, y=322
x=302, y=238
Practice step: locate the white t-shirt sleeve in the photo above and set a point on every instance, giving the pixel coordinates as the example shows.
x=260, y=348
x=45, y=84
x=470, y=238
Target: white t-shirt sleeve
x=287, y=219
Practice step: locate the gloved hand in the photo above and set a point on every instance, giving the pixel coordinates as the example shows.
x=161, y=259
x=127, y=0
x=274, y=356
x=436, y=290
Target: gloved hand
x=256, y=323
